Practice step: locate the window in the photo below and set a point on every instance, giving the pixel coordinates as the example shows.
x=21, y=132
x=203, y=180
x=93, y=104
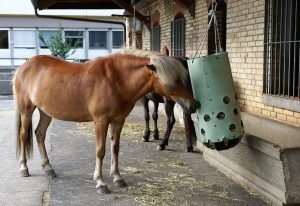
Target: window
x=155, y=38
x=282, y=52
x=3, y=39
x=75, y=38
x=47, y=35
x=178, y=37
x=24, y=39
x=98, y=39
x=117, y=39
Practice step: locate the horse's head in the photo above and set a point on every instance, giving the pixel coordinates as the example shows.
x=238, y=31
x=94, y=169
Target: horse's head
x=170, y=78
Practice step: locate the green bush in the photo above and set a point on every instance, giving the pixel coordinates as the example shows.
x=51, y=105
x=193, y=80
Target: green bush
x=58, y=46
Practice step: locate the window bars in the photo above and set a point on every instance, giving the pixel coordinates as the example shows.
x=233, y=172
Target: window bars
x=155, y=39
x=178, y=37
x=282, y=49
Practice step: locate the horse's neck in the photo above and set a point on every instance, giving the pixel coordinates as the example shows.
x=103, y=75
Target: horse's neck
x=140, y=83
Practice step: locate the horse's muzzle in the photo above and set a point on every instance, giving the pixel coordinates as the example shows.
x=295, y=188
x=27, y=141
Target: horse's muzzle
x=187, y=105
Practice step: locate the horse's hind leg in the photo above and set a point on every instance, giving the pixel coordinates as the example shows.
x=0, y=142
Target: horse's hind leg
x=40, y=133
x=155, y=118
x=169, y=108
x=145, y=102
x=24, y=143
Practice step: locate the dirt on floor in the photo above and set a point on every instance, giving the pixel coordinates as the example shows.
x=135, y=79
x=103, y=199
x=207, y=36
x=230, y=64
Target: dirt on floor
x=170, y=177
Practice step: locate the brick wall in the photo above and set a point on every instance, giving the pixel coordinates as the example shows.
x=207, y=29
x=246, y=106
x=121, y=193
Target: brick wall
x=244, y=43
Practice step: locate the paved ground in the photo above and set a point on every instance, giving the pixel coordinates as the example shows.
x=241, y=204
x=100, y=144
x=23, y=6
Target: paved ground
x=171, y=177
x=15, y=190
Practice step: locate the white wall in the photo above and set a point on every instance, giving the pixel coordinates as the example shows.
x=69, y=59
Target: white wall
x=34, y=24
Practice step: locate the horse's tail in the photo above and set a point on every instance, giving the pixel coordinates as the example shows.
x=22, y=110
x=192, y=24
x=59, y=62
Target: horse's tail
x=29, y=139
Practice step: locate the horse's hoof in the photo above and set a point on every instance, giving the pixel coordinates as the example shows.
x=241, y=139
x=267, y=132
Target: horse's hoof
x=145, y=139
x=102, y=189
x=156, y=135
x=120, y=183
x=50, y=173
x=160, y=147
x=24, y=173
x=189, y=149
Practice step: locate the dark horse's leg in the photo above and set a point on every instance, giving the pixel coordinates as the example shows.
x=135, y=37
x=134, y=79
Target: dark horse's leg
x=189, y=132
x=145, y=102
x=169, y=108
x=155, y=118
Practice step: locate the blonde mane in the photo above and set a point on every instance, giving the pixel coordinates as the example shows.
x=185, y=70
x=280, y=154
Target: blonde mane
x=168, y=69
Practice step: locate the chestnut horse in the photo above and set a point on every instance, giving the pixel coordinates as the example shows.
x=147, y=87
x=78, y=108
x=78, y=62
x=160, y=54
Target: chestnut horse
x=169, y=109
x=103, y=90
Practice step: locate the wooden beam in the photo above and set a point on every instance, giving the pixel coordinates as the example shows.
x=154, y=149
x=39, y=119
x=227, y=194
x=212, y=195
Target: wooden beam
x=44, y=4
x=184, y=3
x=127, y=6
x=187, y=4
x=209, y=2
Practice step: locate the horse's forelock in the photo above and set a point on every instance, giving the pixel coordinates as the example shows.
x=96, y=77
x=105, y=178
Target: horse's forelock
x=168, y=69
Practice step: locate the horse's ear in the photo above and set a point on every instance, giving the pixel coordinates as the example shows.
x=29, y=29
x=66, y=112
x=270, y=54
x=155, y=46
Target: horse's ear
x=151, y=67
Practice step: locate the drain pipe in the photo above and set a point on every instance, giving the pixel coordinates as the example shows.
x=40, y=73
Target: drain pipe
x=78, y=19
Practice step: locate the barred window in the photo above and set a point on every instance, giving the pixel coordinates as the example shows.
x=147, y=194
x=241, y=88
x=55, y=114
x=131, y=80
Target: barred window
x=155, y=38
x=98, y=39
x=47, y=35
x=24, y=39
x=4, y=39
x=75, y=38
x=178, y=37
x=117, y=37
x=282, y=53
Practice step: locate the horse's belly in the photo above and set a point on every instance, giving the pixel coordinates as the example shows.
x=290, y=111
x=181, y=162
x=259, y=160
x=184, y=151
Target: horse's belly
x=65, y=110
x=67, y=115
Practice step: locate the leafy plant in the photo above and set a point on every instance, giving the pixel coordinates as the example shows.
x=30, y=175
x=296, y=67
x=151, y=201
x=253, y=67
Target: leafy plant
x=58, y=46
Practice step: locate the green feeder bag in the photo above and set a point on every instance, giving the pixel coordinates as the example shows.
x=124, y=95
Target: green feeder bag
x=219, y=118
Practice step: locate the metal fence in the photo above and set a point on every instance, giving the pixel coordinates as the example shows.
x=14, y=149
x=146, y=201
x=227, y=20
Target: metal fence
x=155, y=39
x=178, y=37
x=282, y=49
x=13, y=63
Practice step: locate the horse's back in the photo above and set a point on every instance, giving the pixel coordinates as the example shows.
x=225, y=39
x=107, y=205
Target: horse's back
x=54, y=86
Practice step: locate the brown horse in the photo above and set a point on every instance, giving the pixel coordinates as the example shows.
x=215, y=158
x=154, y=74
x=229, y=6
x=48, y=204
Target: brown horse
x=103, y=90
x=169, y=109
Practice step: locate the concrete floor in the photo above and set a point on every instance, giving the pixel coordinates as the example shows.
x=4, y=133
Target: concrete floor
x=170, y=177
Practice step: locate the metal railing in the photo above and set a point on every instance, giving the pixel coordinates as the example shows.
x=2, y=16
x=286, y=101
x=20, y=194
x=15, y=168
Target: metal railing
x=155, y=39
x=282, y=49
x=13, y=63
x=178, y=37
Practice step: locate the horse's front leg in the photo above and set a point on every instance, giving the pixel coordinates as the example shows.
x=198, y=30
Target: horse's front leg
x=101, y=127
x=116, y=128
x=155, y=118
x=189, y=132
